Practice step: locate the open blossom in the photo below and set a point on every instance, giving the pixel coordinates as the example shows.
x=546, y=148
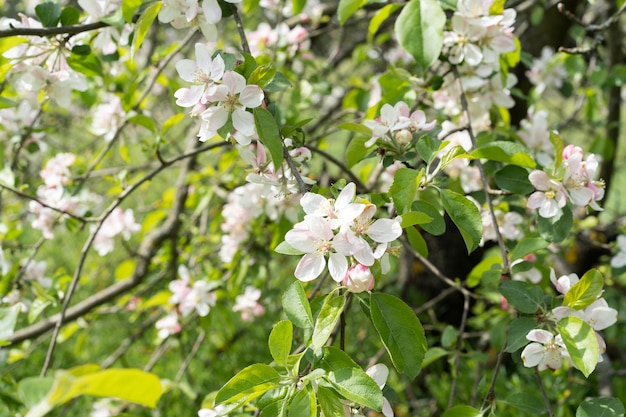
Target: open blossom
x=550, y=196
x=563, y=283
x=579, y=178
x=338, y=212
x=397, y=122
x=117, y=223
x=233, y=96
x=536, y=135
x=189, y=297
x=546, y=351
x=168, y=326
x=248, y=304
x=107, y=117
x=204, y=72
x=314, y=236
x=546, y=72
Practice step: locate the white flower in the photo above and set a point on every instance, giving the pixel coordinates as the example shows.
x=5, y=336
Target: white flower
x=248, y=304
x=338, y=212
x=546, y=351
x=204, y=72
x=117, y=223
x=234, y=96
x=550, y=197
x=379, y=373
x=168, y=326
x=314, y=237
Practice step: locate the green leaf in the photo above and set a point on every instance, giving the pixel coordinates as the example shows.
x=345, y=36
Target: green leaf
x=586, y=291
x=419, y=29
x=417, y=241
x=329, y=402
x=129, y=7
x=262, y=75
x=8, y=319
x=145, y=121
x=81, y=50
x=526, y=246
x=581, y=343
x=427, y=148
x=433, y=354
x=557, y=142
x=250, y=383
x=601, y=407
x=334, y=358
x=456, y=152
x=355, y=385
x=280, y=341
x=171, y=122
x=465, y=216
x=279, y=83
x=88, y=65
x=415, y=217
x=48, y=13
x=143, y=25
x=297, y=6
x=517, y=333
x=530, y=403
x=133, y=385
x=400, y=331
x=286, y=249
x=503, y=151
x=347, y=8
x=297, y=307
x=269, y=134
x=556, y=230
x=34, y=390
x=525, y=297
x=437, y=225
x=327, y=319
x=514, y=179
x=303, y=404
x=70, y=16
x=5, y=103
x=378, y=19
x=356, y=151
x=487, y=270
x=404, y=187
x=462, y=411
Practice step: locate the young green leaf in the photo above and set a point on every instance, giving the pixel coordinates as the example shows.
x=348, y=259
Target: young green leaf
x=581, y=343
x=514, y=179
x=517, y=333
x=404, y=187
x=297, y=307
x=585, y=291
x=462, y=411
x=269, y=134
x=400, y=331
x=355, y=385
x=250, y=383
x=327, y=319
x=280, y=341
x=143, y=25
x=419, y=29
x=49, y=13
x=303, y=404
x=526, y=246
x=347, y=8
x=465, y=216
x=525, y=297
x=508, y=152
x=556, y=230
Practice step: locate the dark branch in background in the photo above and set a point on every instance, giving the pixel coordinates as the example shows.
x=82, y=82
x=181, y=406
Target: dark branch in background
x=59, y=30
x=147, y=250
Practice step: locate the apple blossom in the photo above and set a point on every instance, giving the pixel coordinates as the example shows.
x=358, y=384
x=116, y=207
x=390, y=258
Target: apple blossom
x=550, y=196
x=232, y=98
x=117, y=223
x=359, y=278
x=563, y=283
x=536, y=136
x=546, y=351
x=168, y=325
x=546, y=71
x=338, y=212
x=248, y=304
x=205, y=72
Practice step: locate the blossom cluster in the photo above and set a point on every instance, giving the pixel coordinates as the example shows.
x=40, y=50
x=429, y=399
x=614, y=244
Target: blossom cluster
x=341, y=229
x=575, y=183
x=189, y=13
x=396, y=124
x=217, y=96
x=117, y=223
x=547, y=350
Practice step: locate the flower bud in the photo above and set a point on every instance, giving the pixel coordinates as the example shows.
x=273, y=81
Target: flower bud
x=359, y=278
x=403, y=137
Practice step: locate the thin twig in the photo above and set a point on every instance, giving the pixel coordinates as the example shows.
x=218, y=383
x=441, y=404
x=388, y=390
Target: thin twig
x=59, y=30
x=459, y=348
x=190, y=356
x=544, y=394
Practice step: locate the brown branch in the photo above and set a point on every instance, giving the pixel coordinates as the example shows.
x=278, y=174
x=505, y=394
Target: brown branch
x=147, y=250
x=59, y=30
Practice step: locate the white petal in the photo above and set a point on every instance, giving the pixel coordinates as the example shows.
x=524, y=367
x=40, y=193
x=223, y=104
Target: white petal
x=310, y=267
x=251, y=96
x=346, y=196
x=540, y=335
x=385, y=230
x=379, y=374
x=212, y=11
x=338, y=266
x=186, y=68
x=189, y=97
x=243, y=122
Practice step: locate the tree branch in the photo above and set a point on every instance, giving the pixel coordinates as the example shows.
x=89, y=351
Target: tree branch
x=59, y=30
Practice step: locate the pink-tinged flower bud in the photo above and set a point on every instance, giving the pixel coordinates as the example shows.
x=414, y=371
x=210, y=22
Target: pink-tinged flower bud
x=531, y=257
x=571, y=150
x=359, y=278
x=403, y=137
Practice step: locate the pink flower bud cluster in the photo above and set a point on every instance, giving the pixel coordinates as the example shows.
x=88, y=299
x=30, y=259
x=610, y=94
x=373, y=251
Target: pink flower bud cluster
x=340, y=229
x=548, y=351
x=576, y=184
